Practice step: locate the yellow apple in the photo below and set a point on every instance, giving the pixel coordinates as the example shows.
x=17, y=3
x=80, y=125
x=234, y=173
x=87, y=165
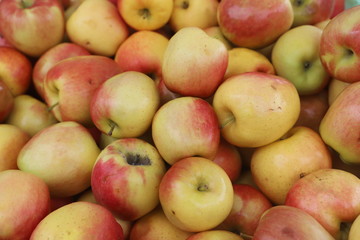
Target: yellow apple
x=335, y=88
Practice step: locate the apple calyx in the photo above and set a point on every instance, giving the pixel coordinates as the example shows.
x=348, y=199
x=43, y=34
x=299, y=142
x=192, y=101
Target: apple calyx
x=136, y=159
x=203, y=188
x=50, y=108
x=298, y=3
x=144, y=13
x=185, y=5
x=26, y=3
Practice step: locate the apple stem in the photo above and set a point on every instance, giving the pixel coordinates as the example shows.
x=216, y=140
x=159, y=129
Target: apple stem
x=112, y=125
x=245, y=236
x=229, y=120
x=52, y=106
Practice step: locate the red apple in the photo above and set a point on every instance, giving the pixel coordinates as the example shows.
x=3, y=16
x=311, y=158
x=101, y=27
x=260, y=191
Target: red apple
x=339, y=6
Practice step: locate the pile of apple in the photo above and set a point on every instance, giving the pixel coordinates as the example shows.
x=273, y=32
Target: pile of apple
x=179, y=119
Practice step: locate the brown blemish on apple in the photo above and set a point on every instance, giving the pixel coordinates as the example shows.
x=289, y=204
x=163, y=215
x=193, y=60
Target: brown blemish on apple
x=302, y=175
x=173, y=212
x=185, y=5
x=137, y=159
x=288, y=232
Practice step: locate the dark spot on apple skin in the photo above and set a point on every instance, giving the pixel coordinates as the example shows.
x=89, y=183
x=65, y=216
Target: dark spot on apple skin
x=302, y=175
x=273, y=87
x=288, y=232
x=173, y=212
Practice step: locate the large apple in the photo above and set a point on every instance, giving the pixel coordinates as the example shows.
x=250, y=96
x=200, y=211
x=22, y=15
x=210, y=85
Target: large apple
x=340, y=126
x=62, y=155
x=295, y=56
x=254, y=24
x=339, y=46
x=6, y=100
x=32, y=26
x=196, y=194
x=25, y=201
x=70, y=84
x=255, y=109
x=100, y=32
x=126, y=177
x=194, y=63
x=185, y=127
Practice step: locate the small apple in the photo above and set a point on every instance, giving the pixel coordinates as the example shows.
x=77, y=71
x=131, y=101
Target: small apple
x=335, y=87
x=196, y=194
x=6, y=100
x=215, y=235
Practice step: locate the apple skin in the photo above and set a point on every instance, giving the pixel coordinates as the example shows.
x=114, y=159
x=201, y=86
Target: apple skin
x=7, y=101
x=49, y=58
x=215, y=235
x=331, y=196
x=312, y=11
x=339, y=48
x=335, y=87
x=70, y=84
x=295, y=56
x=268, y=20
x=339, y=128
x=32, y=26
x=275, y=224
x=194, y=63
x=62, y=155
x=278, y=165
x=126, y=177
x=255, y=109
x=339, y=6
x=25, y=201
x=354, y=232
x=249, y=205
x=215, y=32
x=79, y=220
x=185, y=127
x=15, y=70
x=12, y=140
x=88, y=30
x=196, y=194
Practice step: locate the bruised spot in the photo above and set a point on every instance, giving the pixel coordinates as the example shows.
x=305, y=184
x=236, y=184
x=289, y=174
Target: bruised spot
x=288, y=232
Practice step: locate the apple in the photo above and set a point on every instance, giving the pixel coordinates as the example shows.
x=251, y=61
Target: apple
x=285, y=222
x=100, y=32
x=255, y=109
x=32, y=26
x=3, y=41
x=196, y=194
x=246, y=178
x=340, y=127
x=339, y=49
x=248, y=207
x=278, y=165
x=214, y=235
x=25, y=201
x=12, y=140
x=7, y=101
x=312, y=11
x=30, y=114
x=78, y=220
x=49, y=58
x=124, y=105
x=242, y=60
x=215, y=32
x=15, y=70
x=331, y=196
x=145, y=14
x=164, y=92
x=126, y=177
x=156, y=226
x=254, y=24
x=63, y=156
x=194, y=63
x=354, y=232
x=335, y=87
x=295, y=56
x=193, y=13
x=185, y=127
x=70, y=84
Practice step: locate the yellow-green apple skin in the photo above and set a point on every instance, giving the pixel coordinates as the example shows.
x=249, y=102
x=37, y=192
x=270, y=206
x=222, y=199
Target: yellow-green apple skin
x=340, y=126
x=6, y=101
x=70, y=84
x=331, y=196
x=30, y=114
x=185, y=127
x=32, y=26
x=268, y=20
x=25, y=201
x=49, y=58
x=310, y=12
x=12, y=140
x=62, y=155
x=156, y=226
x=145, y=14
x=248, y=207
x=335, y=87
x=215, y=235
x=196, y=194
x=255, y=109
x=215, y=32
x=295, y=56
x=100, y=32
x=278, y=165
x=242, y=60
x=354, y=232
x=285, y=222
x=339, y=46
x=194, y=63
x=15, y=70
x=322, y=24
x=125, y=104
x=78, y=221
x=126, y=177
x=193, y=13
